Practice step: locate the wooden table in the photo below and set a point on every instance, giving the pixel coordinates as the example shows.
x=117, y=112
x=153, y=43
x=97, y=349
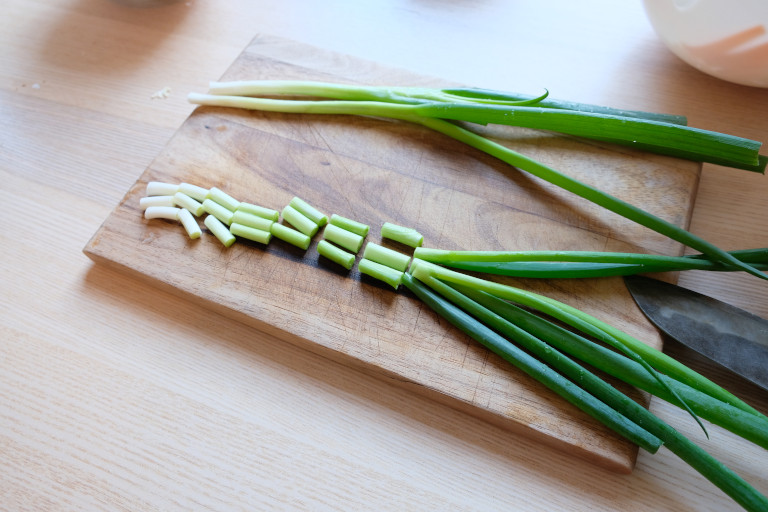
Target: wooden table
x=116, y=396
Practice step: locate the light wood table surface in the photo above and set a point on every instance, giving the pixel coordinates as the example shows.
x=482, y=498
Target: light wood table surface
x=116, y=396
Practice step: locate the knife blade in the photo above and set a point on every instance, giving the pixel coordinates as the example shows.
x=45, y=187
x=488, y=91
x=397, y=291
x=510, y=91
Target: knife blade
x=725, y=334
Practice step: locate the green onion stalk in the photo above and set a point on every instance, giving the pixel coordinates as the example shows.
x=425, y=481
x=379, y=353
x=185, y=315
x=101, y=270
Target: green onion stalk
x=428, y=107
x=561, y=374
x=581, y=264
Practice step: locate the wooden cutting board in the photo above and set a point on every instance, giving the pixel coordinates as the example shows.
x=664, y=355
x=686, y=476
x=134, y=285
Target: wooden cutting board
x=376, y=171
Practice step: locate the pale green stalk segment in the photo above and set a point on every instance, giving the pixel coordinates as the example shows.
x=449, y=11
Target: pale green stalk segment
x=381, y=272
x=386, y=256
x=252, y=221
x=146, y=202
x=160, y=188
x=291, y=236
x=300, y=221
x=190, y=224
x=259, y=211
x=197, y=193
x=182, y=200
x=309, y=211
x=250, y=233
x=219, y=230
x=346, y=239
x=220, y=212
x=404, y=235
x=336, y=254
x=222, y=198
x=162, y=212
x=350, y=225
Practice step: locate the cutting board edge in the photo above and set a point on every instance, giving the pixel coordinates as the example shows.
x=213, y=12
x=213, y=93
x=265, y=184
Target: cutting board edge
x=620, y=462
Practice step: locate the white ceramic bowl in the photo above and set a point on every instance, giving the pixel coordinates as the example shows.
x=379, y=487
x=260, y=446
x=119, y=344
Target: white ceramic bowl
x=727, y=39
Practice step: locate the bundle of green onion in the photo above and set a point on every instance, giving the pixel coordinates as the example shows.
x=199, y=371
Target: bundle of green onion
x=440, y=109
x=514, y=324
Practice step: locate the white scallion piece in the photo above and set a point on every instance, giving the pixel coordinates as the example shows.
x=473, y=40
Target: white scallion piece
x=336, y=254
x=220, y=212
x=290, y=235
x=189, y=223
x=197, y=193
x=219, y=230
x=350, y=225
x=146, y=202
x=184, y=201
x=162, y=212
x=300, y=221
x=159, y=188
x=222, y=198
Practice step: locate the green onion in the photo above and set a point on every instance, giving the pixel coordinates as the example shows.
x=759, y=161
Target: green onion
x=146, y=202
x=259, y=211
x=381, y=272
x=580, y=264
x=300, y=221
x=220, y=212
x=250, y=233
x=340, y=236
x=350, y=225
x=335, y=254
x=222, y=198
x=410, y=113
x=291, y=236
x=404, y=235
x=253, y=221
x=190, y=224
x=219, y=230
x=309, y=211
x=709, y=467
x=199, y=194
x=160, y=188
x=184, y=201
x=161, y=212
x=386, y=256
x=735, y=415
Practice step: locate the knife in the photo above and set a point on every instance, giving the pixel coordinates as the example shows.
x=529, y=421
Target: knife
x=725, y=334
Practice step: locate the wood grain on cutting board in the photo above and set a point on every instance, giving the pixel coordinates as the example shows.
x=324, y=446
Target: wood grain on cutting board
x=377, y=171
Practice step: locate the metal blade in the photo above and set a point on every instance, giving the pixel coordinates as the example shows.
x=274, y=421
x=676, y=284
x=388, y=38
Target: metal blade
x=729, y=336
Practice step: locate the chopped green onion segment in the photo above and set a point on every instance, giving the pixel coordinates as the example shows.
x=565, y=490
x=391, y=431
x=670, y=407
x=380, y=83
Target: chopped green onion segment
x=386, y=256
x=259, y=211
x=300, y=221
x=197, y=193
x=219, y=230
x=222, y=198
x=250, y=233
x=309, y=211
x=350, y=225
x=159, y=188
x=291, y=236
x=217, y=210
x=343, y=238
x=162, y=212
x=146, y=202
x=182, y=200
x=253, y=221
x=336, y=254
x=381, y=272
x=406, y=236
x=190, y=224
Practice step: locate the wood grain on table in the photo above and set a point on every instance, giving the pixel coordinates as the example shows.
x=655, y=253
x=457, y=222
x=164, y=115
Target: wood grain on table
x=115, y=395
